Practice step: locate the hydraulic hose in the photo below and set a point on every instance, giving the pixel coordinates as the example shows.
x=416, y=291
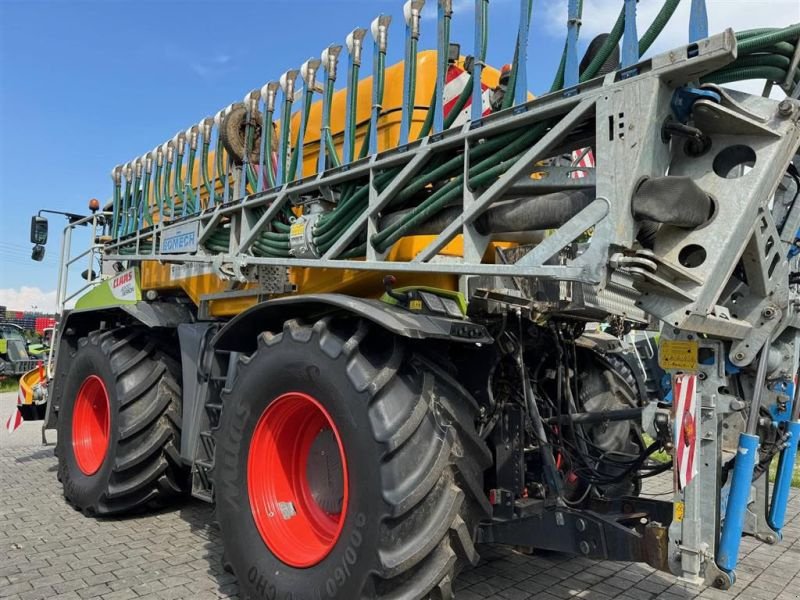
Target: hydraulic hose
x=298, y=146
x=191, y=206
x=204, y=171
x=351, y=122
x=381, y=75
x=285, y=132
x=768, y=39
x=427, y=125
x=252, y=180
x=222, y=172
x=333, y=154
x=412, y=81
x=479, y=174
x=657, y=26
x=652, y=33
x=157, y=182
x=168, y=192
x=119, y=211
x=742, y=74
x=145, y=208
x=178, y=189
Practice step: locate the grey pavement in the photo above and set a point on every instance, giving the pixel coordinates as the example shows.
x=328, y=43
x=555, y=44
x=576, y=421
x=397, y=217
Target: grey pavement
x=48, y=550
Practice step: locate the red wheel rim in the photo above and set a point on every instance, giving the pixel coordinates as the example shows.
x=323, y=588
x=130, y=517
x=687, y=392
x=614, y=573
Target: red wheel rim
x=90, y=425
x=297, y=480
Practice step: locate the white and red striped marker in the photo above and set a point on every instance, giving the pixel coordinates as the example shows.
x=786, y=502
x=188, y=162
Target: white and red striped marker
x=455, y=82
x=14, y=421
x=684, y=394
x=584, y=159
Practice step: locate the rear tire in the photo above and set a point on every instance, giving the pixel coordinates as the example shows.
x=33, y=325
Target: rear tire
x=412, y=458
x=119, y=425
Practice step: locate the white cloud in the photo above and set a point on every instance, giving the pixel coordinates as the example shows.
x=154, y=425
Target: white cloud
x=26, y=298
x=599, y=16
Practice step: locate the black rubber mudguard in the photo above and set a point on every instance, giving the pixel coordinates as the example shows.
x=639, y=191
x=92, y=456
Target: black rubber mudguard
x=240, y=333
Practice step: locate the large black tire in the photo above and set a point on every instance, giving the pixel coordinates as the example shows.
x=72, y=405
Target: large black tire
x=607, y=383
x=142, y=466
x=415, y=462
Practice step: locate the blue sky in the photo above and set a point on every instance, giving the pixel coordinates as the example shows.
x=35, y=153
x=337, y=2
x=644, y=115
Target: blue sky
x=85, y=85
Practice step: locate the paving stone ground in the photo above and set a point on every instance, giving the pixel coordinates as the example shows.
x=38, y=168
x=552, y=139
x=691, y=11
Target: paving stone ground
x=48, y=550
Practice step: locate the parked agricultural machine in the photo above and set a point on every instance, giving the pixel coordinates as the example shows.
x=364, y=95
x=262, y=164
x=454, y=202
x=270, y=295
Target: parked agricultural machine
x=360, y=327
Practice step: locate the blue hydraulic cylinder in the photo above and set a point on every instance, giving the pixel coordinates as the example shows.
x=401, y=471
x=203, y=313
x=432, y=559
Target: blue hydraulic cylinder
x=741, y=480
x=783, y=479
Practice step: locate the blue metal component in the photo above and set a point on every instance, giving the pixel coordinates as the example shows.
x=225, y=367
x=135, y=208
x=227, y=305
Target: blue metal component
x=684, y=98
x=441, y=71
x=698, y=21
x=783, y=478
x=571, y=71
x=666, y=384
x=477, y=69
x=741, y=479
x=521, y=89
x=630, y=42
x=782, y=411
x=795, y=249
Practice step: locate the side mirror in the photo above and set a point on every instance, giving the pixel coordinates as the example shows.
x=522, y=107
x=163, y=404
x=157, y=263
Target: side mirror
x=38, y=231
x=37, y=253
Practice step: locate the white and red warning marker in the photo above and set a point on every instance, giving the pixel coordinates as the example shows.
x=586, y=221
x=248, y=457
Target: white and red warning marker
x=684, y=394
x=583, y=159
x=14, y=421
x=455, y=82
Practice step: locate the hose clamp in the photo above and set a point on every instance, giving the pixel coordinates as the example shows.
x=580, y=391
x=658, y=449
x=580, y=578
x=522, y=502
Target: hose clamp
x=159, y=154
x=137, y=167
x=170, y=151
x=116, y=174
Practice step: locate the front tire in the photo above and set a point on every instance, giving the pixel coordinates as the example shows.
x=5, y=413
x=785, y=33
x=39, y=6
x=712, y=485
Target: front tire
x=401, y=484
x=119, y=424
